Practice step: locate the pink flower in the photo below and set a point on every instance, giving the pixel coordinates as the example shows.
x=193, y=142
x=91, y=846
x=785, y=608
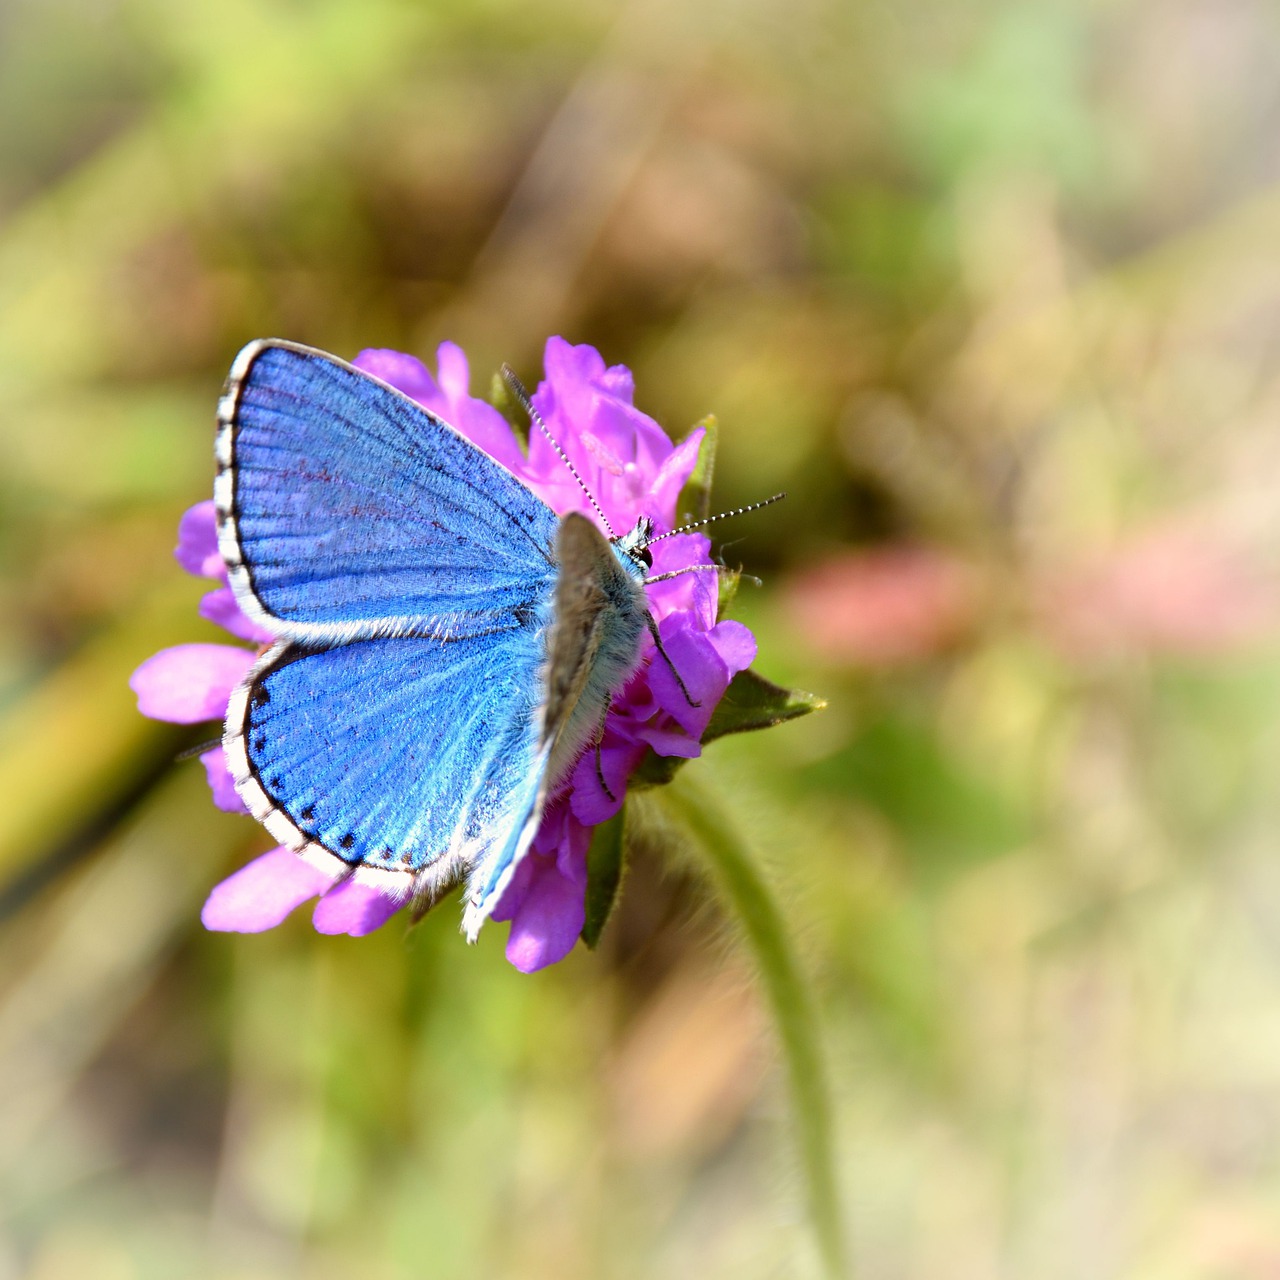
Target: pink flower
x=885, y=607
x=632, y=469
x=1180, y=588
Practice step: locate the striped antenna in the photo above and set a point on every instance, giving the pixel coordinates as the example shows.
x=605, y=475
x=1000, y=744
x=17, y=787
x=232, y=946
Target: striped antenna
x=724, y=515
x=516, y=387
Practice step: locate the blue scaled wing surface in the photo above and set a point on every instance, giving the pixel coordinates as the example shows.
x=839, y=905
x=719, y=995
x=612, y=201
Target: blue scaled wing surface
x=395, y=727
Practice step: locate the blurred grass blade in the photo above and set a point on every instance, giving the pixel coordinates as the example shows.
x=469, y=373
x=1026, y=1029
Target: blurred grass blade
x=752, y=903
x=76, y=740
x=101, y=942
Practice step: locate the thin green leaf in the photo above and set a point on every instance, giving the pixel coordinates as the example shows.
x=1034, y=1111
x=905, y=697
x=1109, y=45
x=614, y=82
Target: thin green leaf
x=605, y=864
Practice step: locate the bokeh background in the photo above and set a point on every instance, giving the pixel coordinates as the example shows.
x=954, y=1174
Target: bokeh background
x=993, y=289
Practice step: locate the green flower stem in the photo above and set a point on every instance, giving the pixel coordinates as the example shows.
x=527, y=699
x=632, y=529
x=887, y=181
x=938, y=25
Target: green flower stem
x=752, y=901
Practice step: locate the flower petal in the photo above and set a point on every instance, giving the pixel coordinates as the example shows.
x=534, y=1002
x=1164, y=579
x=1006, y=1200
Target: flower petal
x=562, y=837
x=702, y=672
x=448, y=398
x=197, y=549
x=220, y=607
x=588, y=800
x=406, y=373
x=190, y=682
x=670, y=742
x=673, y=475
x=221, y=782
x=454, y=371
x=354, y=908
x=696, y=594
x=589, y=412
x=259, y=896
x=548, y=920
x=734, y=643
x=517, y=887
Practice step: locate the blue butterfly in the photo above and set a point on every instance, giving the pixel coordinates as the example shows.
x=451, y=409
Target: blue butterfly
x=447, y=645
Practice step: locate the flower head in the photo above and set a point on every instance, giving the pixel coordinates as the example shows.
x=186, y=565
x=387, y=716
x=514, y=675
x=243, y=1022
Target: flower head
x=632, y=469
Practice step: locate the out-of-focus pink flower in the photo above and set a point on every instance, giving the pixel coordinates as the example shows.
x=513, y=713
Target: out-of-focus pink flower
x=883, y=607
x=1175, y=589
x=633, y=469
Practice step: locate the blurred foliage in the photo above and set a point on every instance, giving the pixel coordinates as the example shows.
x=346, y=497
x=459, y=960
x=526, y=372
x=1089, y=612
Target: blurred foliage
x=993, y=284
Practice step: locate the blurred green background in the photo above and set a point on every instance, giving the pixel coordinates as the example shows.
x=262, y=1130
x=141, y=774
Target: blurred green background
x=993, y=289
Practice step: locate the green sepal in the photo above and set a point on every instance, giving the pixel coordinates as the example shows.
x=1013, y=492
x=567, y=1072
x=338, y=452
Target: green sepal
x=606, y=860
x=654, y=770
x=728, y=582
x=694, y=502
x=501, y=398
x=750, y=702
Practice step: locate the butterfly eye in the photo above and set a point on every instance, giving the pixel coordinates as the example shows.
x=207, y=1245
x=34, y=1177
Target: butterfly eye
x=645, y=557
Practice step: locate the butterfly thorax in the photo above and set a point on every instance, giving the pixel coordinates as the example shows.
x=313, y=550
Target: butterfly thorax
x=594, y=643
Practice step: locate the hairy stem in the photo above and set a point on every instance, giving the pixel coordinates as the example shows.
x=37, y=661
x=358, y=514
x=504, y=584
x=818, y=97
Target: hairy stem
x=791, y=1004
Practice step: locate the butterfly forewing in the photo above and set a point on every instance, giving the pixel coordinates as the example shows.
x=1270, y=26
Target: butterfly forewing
x=345, y=508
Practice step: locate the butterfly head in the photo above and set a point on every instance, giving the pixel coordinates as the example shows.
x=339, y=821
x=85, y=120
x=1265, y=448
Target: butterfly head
x=633, y=548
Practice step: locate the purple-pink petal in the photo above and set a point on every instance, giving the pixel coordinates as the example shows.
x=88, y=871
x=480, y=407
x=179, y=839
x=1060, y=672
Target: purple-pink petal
x=260, y=895
x=670, y=742
x=197, y=549
x=190, y=682
x=588, y=800
x=673, y=475
x=695, y=594
x=220, y=607
x=616, y=447
x=406, y=373
x=448, y=398
x=513, y=895
x=221, y=782
x=734, y=643
x=454, y=371
x=548, y=920
x=702, y=673
x=354, y=908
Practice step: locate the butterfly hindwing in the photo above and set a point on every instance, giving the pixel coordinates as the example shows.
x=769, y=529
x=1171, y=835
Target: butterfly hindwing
x=408, y=758
x=346, y=508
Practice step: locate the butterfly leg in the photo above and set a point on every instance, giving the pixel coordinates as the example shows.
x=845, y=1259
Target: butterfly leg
x=604, y=786
x=671, y=666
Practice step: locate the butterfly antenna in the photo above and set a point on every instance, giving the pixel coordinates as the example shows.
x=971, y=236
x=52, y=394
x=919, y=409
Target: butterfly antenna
x=516, y=388
x=724, y=515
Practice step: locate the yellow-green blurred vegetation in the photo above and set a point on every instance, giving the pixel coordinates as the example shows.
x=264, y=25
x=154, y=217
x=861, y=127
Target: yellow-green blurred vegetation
x=992, y=288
